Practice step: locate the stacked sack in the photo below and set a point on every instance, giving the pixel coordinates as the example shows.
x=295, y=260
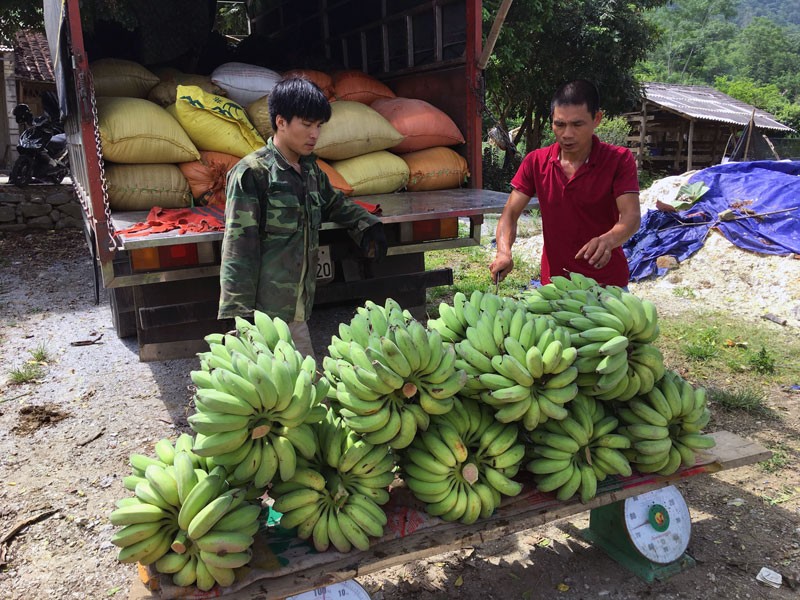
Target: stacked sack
x=374, y=143
x=167, y=139
x=141, y=142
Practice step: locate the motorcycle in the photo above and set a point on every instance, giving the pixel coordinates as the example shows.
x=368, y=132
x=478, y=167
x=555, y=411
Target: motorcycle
x=42, y=149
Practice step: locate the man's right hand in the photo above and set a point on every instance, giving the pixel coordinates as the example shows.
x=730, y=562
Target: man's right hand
x=500, y=267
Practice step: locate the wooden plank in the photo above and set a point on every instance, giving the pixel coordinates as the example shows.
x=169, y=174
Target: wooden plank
x=530, y=510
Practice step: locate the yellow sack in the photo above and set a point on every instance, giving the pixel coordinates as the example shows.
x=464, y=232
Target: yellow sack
x=215, y=122
x=141, y=187
x=436, y=168
x=118, y=77
x=165, y=92
x=354, y=129
x=374, y=173
x=258, y=112
x=134, y=130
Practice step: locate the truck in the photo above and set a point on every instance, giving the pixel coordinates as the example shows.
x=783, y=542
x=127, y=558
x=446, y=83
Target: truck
x=164, y=288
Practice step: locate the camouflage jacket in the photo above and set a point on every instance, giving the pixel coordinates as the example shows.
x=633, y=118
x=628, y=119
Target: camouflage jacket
x=272, y=220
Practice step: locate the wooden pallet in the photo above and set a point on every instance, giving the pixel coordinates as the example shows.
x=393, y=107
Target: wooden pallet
x=527, y=511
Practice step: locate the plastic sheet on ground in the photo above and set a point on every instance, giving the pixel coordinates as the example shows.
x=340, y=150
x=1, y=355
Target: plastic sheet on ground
x=747, y=190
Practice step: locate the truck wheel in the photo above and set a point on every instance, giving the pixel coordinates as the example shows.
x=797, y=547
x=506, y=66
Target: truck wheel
x=123, y=312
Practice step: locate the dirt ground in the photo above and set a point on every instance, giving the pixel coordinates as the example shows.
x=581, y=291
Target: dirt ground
x=67, y=436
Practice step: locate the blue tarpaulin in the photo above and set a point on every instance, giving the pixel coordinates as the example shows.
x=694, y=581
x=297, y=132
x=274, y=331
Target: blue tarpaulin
x=746, y=188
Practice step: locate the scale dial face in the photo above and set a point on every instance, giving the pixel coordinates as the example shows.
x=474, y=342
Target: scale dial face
x=658, y=524
x=347, y=590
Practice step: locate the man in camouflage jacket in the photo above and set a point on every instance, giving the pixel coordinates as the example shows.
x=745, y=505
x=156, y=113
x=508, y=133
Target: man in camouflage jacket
x=277, y=199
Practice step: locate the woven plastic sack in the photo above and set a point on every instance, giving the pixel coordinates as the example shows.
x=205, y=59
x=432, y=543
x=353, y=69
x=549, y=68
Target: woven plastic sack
x=134, y=130
x=357, y=86
x=323, y=80
x=435, y=169
x=422, y=124
x=374, y=173
x=141, y=187
x=206, y=177
x=121, y=78
x=258, y=112
x=335, y=177
x=166, y=92
x=215, y=122
x=245, y=83
x=354, y=129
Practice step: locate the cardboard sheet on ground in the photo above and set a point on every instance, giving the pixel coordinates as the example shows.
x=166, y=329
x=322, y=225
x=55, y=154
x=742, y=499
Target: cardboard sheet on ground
x=747, y=189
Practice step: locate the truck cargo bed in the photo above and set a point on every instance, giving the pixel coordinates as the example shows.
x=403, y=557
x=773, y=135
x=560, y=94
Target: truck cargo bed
x=402, y=207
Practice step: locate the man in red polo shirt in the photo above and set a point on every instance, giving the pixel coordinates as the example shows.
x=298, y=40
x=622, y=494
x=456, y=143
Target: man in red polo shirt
x=588, y=194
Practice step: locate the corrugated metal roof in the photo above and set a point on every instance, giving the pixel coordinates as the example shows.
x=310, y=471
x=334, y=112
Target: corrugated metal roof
x=32, y=57
x=702, y=102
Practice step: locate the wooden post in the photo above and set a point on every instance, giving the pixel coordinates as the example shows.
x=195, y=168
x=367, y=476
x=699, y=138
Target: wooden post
x=689, y=146
x=642, y=126
x=750, y=128
x=679, y=151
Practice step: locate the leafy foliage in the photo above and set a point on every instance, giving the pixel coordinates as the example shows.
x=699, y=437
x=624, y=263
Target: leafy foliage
x=546, y=43
x=16, y=15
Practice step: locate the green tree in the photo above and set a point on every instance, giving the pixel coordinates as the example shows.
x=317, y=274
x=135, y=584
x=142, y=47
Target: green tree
x=545, y=43
x=16, y=15
x=766, y=96
x=765, y=51
x=694, y=36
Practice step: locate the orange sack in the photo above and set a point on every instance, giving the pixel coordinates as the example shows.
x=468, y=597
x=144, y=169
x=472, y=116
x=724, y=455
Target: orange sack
x=437, y=168
x=323, y=80
x=359, y=87
x=422, y=124
x=206, y=176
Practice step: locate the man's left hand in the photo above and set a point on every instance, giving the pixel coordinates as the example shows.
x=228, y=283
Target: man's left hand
x=597, y=252
x=373, y=242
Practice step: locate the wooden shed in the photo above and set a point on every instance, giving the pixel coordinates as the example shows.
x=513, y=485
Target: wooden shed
x=683, y=127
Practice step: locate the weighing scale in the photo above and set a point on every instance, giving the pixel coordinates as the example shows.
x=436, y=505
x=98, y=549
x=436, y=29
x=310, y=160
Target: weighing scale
x=648, y=534
x=347, y=590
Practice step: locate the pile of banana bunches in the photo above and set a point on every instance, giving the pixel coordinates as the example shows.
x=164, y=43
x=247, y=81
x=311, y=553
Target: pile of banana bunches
x=563, y=382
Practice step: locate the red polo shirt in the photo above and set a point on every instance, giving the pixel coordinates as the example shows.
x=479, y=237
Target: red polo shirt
x=579, y=209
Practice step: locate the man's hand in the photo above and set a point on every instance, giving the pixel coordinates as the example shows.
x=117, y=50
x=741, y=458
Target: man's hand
x=501, y=266
x=373, y=242
x=597, y=252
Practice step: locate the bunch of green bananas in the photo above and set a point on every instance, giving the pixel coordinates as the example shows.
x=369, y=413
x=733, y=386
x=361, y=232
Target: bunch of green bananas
x=388, y=373
x=520, y=364
x=665, y=425
x=185, y=521
x=463, y=463
x=454, y=319
x=612, y=330
x=571, y=455
x=254, y=401
x=335, y=497
x=165, y=455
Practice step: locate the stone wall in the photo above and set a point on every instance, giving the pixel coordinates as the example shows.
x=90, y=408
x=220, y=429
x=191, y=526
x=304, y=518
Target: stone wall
x=39, y=207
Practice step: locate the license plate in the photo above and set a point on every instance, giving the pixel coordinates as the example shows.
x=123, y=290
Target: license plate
x=324, y=265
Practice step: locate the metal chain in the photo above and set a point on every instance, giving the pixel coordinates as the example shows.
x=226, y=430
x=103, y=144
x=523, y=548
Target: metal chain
x=113, y=243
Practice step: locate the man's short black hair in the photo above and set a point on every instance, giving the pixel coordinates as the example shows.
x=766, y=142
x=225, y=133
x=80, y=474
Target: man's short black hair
x=575, y=93
x=298, y=97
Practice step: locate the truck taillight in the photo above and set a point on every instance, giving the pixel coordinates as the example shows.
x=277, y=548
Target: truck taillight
x=435, y=229
x=167, y=257
x=144, y=259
